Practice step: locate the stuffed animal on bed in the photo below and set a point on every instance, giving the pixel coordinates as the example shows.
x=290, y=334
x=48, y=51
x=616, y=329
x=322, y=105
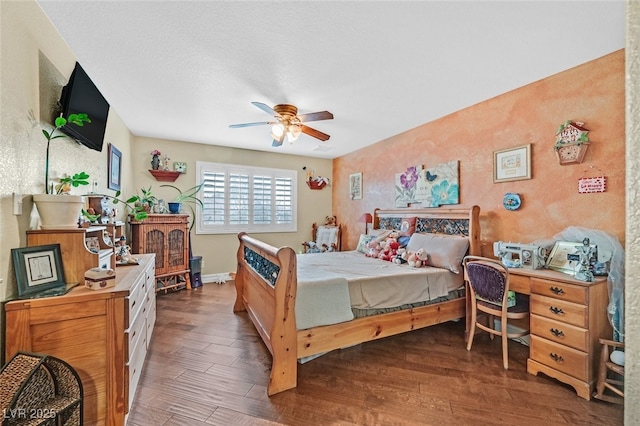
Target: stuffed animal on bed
x=373, y=248
x=418, y=258
x=390, y=251
x=400, y=257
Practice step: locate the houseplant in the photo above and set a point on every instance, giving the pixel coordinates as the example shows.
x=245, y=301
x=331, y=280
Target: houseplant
x=58, y=209
x=188, y=197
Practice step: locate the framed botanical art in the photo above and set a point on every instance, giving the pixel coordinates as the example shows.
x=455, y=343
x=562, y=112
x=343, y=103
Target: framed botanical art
x=114, y=168
x=355, y=186
x=512, y=164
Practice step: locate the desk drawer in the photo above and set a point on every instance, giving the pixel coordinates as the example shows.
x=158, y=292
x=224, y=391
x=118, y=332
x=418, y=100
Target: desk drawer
x=560, y=332
x=519, y=283
x=562, y=358
x=559, y=310
x=558, y=290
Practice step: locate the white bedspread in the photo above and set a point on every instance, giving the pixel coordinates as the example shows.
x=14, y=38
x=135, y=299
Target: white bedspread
x=329, y=284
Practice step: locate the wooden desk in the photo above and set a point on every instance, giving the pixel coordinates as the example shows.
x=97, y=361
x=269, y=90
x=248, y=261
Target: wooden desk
x=568, y=317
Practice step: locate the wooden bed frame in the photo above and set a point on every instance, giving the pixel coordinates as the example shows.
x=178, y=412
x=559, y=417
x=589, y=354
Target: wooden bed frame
x=266, y=285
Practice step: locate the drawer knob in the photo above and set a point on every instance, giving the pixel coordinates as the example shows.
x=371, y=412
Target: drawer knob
x=557, y=311
x=556, y=357
x=556, y=332
x=556, y=290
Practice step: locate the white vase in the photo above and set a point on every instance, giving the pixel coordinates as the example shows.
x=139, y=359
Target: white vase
x=58, y=211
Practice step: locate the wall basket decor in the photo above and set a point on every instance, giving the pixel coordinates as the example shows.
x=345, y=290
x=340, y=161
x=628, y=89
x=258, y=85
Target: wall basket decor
x=571, y=142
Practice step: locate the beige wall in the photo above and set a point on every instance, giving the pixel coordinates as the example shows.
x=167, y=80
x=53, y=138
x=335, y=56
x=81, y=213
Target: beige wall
x=219, y=251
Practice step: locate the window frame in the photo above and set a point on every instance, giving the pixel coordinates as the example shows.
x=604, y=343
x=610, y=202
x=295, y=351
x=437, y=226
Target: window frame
x=203, y=167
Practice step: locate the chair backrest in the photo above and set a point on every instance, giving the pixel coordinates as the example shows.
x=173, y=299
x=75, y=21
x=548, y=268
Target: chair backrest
x=489, y=279
x=327, y=234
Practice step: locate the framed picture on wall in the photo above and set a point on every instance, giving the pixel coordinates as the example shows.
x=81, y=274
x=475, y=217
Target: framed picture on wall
x=114, y=168
x=512, y=164
x=355, y=186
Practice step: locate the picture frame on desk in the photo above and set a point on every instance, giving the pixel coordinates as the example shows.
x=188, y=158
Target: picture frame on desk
x=38, y=269
x=564, y=257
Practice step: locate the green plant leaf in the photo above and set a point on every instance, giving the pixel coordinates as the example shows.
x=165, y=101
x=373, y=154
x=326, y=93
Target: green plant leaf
x=60, y=121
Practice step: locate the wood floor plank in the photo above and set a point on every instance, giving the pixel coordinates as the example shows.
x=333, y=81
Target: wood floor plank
x=208, y=366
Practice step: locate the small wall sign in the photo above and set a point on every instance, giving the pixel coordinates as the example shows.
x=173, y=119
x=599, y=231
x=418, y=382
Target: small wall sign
x=592, y=184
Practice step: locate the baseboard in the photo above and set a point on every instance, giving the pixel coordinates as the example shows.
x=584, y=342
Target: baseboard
x=217, y=278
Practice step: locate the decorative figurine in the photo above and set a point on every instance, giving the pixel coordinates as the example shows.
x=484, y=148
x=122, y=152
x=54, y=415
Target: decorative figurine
x=585, y=251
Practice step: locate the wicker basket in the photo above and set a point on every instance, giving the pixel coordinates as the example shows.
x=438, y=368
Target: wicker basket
x=40, y=389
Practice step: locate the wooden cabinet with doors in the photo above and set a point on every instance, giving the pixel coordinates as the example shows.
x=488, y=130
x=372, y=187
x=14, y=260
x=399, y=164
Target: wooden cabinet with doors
x=166, y=235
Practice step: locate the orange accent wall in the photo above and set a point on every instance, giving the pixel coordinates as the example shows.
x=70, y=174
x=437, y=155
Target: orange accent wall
x=593, y=93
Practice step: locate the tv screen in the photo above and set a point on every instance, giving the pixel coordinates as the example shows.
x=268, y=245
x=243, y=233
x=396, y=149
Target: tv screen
x=80, y=95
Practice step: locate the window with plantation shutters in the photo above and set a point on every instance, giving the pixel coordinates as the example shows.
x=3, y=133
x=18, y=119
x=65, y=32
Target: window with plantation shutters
x=243, y=198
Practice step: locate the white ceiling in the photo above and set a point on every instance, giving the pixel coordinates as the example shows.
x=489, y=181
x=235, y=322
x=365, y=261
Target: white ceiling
x=186, y=70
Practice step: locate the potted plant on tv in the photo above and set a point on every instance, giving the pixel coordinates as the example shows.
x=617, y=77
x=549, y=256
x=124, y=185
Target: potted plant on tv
x=57, y=208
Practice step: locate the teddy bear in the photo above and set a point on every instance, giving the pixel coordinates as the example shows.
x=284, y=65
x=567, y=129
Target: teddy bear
x=311, y=247
x=418, y=258
x=390, y=251
x=330, y=221
x=373, y=248
x=400, y=257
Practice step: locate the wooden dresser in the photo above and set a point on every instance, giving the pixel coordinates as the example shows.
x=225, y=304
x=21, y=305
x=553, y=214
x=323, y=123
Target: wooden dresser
x=166, y=235
x=567, y=319
x=102, y=334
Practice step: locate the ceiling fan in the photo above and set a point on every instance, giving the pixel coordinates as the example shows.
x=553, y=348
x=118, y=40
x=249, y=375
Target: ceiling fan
x=288, y=123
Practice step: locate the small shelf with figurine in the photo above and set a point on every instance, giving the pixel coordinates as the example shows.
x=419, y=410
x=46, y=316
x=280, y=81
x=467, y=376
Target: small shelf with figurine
x=165, y=175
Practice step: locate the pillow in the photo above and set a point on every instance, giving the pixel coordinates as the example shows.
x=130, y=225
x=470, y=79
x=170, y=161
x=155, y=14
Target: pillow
x=364, y=240
x=326, y=235
x=407, y=226
x=445, y=251
x=382, y=233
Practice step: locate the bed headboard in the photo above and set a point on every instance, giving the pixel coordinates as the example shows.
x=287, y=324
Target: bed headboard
x=464, y=222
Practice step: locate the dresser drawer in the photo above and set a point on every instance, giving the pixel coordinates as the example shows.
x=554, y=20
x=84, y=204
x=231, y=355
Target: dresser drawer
x=559, y=310
x=560, y=332
x=558, y=290
x=136, y=332
x=136, y=300
x=559, y=357
x=134, y=366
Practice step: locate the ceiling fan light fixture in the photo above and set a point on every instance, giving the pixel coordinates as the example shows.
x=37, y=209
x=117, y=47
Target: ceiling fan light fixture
x=277, y=130
x=293, y=131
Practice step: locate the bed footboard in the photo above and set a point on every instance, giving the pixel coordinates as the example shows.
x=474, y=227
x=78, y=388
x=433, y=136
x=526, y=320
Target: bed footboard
x=266, y=284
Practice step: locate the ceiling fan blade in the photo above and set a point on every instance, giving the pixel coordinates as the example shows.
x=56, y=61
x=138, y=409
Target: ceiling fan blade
x=315, y=133
x=315, y=116
x=278, y=142
x=266, y=108
x=258, y=123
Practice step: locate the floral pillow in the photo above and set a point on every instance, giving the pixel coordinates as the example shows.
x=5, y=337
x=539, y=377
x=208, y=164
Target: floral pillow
x=364, y=240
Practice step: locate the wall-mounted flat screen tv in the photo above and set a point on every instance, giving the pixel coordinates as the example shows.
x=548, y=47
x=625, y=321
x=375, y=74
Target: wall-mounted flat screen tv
x=80, y=95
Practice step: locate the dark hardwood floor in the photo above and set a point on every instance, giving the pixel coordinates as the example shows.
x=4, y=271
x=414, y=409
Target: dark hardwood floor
x=208, y=366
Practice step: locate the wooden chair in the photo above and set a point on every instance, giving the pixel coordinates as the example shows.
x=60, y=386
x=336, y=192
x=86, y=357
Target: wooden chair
x=610, y=374
x=489, y=288
x=326, y=238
